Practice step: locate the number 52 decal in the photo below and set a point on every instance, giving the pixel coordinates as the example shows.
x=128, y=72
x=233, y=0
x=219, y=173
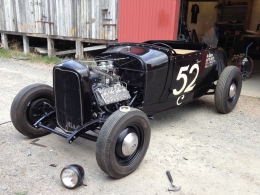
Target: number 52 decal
x=183, y=75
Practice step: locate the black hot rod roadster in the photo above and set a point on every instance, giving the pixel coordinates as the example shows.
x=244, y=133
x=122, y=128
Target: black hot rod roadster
x=111, y=101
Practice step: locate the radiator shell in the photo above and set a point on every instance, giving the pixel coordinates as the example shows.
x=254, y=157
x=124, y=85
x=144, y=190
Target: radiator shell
x=72, y=91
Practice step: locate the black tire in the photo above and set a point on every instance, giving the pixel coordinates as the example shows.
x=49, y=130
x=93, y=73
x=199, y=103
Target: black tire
x=29, y=106
x=228, y=89
x=109, y=147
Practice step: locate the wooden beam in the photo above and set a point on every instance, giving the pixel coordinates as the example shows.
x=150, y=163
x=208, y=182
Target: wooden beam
x=95, y=48
x=4, y=40
x=50, y=47
x=65, y=52
x=84, y=49
x=79, y=50
x=41, y=50
x=26, y=48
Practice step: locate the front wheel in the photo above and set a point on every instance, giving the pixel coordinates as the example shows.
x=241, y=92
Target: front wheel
x=122, y=142
x=228, y=89
x=29, y=105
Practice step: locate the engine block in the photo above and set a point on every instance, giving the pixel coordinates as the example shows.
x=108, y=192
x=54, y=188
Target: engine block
x=109, y=95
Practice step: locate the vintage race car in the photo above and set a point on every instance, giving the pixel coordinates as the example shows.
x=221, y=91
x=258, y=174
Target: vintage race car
x=111, y=102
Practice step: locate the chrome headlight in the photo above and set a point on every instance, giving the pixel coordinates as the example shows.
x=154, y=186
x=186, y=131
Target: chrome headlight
x=72, y=176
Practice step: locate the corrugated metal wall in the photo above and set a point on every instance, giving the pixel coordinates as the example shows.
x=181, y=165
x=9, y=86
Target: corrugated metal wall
x=91, y=19
x=142, y=20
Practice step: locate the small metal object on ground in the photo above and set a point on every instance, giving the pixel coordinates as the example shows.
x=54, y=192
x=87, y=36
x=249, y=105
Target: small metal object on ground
x=29, y=152
x=35, y=140
x=173, y=188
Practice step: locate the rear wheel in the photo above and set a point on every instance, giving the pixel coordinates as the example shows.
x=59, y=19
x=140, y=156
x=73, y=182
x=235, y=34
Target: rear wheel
x=122, y=142
x=29, y=105
x=228, y=89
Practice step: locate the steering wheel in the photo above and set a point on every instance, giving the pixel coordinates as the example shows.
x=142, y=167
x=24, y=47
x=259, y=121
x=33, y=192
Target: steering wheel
x=160, y=43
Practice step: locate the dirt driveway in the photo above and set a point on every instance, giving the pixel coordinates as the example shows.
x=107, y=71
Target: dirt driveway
x=206, y=152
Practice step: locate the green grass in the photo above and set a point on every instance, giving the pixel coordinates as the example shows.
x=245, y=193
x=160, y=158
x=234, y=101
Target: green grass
x=45, y=59
x=4, y=53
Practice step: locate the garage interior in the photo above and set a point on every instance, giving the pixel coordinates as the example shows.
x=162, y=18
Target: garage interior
x=230, y=24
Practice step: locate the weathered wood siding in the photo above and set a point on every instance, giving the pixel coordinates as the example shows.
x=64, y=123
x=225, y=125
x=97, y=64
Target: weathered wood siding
x=90, y=19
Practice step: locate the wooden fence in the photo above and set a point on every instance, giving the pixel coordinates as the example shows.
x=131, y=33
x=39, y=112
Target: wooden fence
x=93, y=21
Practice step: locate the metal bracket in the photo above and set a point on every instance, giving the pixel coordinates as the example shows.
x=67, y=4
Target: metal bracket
x=109, y=24
x=81, y=130
x=45, y=116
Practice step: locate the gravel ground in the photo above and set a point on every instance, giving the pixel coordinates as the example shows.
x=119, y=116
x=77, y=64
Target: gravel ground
x=206, y=152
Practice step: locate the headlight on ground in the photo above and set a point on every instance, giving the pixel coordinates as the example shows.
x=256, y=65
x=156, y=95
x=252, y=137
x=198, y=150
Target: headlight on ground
x=72, y=176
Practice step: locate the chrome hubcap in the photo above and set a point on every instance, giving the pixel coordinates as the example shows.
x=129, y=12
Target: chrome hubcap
x=232, y=90
x=130, y=144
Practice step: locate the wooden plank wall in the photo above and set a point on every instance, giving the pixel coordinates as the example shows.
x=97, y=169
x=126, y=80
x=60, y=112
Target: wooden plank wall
x=89, y=19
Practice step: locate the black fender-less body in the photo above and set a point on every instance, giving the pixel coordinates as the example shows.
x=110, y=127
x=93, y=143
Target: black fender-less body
x=168, y=76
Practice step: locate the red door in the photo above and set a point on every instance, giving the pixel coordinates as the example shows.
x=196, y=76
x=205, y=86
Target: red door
x=143, y=20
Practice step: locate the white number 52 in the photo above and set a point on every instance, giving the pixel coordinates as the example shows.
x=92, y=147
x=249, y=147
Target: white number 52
x=182, y=75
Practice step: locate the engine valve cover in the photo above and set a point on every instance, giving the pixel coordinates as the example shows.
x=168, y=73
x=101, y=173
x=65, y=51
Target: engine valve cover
x=109, y=95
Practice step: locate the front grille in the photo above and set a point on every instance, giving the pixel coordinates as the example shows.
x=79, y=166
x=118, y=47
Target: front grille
x=67, y=99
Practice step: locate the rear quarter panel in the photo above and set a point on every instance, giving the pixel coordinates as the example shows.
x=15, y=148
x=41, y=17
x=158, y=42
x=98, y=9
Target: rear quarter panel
x=191, y=77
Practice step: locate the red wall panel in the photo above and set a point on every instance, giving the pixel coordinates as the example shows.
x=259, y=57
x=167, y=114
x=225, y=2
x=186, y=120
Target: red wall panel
x=142, y=20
